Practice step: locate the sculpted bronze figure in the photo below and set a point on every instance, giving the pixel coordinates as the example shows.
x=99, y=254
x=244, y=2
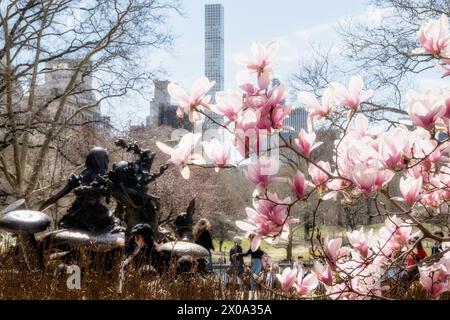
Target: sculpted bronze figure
x=183, y=223
x=130, y=188
x=89, y=224
x=88, y=211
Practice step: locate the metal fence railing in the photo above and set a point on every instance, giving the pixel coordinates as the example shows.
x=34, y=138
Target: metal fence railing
x=224, y=266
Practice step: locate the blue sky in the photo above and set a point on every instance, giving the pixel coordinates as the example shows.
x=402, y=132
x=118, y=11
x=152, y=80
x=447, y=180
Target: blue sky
x=294, y=24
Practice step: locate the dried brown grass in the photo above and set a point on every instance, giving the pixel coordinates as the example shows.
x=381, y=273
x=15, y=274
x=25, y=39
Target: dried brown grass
x=100, y=280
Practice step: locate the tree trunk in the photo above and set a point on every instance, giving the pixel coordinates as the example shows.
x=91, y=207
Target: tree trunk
x=289, y=246
x=306, y=228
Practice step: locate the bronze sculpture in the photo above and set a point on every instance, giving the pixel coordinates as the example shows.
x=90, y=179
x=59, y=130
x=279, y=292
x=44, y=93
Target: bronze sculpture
x=89, y=224
x=183, y=223
x=130, y=182
x=88, y=211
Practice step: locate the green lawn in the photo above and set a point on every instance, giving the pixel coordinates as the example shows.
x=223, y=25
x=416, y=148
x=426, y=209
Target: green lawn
x=278, y=253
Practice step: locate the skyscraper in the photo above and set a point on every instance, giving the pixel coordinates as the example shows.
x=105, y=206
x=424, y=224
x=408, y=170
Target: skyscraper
x=214, y=46
x=160, y=97
x=297, y=119
x=162, y=111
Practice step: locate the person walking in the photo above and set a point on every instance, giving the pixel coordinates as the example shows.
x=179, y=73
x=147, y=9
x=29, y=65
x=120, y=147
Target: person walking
x=437, y=246
x=256, y=263
x=143, y=253
x=236, y=259
x=298, y=264
x=203, y=237
x=416, y=255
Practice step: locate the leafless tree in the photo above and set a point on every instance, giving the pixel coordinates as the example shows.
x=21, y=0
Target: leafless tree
x=380, y=51
x=104, y=41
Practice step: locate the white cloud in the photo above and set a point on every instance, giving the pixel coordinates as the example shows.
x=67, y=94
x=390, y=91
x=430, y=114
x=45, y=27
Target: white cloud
x=431, y=83
x=297, y=45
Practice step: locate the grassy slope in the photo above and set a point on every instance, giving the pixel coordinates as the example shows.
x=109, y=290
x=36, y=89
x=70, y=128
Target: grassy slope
x=300, y=246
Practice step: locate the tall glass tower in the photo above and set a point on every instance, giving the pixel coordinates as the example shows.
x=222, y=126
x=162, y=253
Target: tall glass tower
x=214, y=46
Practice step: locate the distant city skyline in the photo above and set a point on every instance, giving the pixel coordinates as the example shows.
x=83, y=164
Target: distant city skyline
x=247, y=21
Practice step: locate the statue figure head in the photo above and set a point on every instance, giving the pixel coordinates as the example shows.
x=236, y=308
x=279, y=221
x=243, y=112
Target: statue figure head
x=184, y=221
x=120, y=172
x=97, y=160
x=145, y=231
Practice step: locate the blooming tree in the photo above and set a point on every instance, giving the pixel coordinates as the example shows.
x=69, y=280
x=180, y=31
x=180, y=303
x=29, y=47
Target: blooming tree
x=366, y=160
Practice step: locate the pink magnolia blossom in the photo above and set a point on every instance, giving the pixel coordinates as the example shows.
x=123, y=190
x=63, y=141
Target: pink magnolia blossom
x=410, y=188
x=446, y=113
x=314, y=108
x=434, y=36
x=334, y=187
x=257, y=101
x=269, y=219
x=306, y=143
x=323, y=273
x=364, y=177
x=444, y=65
x=190, y=103
x=218, y=152
x=361, y=150
x=262, y=173
x=265, y=78
x=433, y=199
x=353, y=151
x=261, y=62
x=229, y=104
x=333, y=251
x=248, y=120
x=287, y=278
x=258, y=225
x=366, y=284
x=182, y=154
x=424, y=109
x=395, y=148
x=438, y=155
x=305, y=285
x=394, y=235
x=360, y=241
x=429, y=149
x=273, y=207
x=299, y=184
x=318, y=176
x=244, y=81
x=352, y=97
x=435, y=279
x=366, y=159
x=444, y=179
x=278, y=114
x=383, y=178
x=341, y=291
x=360, y=128
x=276, y=95
x=246, y=132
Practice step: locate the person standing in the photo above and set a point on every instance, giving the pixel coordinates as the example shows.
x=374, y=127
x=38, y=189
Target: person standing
x=202, y=237
x=417, y=254
x=298, y=265
x=144, y=253
x=437, y=246
x=256, y=264
x=420, y=253
x=236, y=259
